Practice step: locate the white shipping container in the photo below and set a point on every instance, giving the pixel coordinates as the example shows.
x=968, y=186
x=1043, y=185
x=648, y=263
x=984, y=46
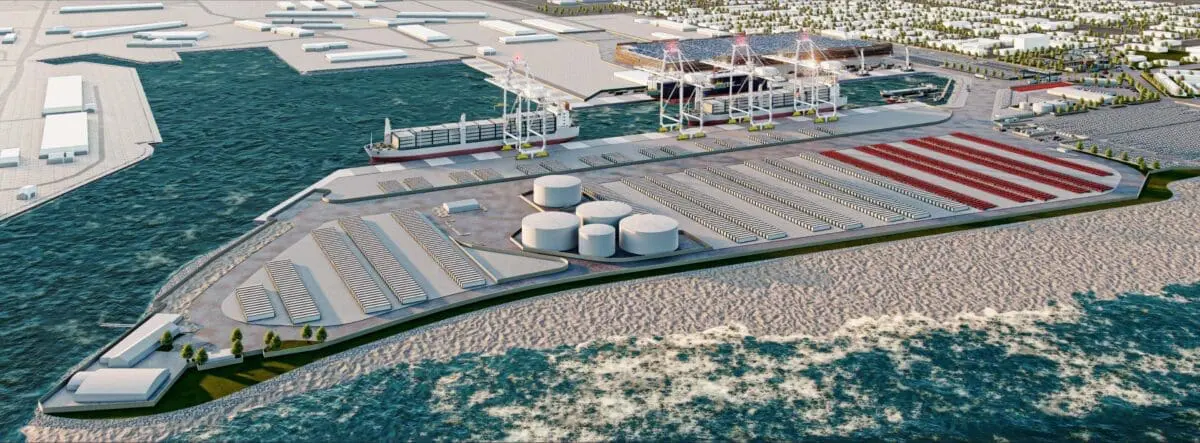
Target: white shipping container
x=485, y=50
x=338, y=4
x=286, y=6
x=365, y=3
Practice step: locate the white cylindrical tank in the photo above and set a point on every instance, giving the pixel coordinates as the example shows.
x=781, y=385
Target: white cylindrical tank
x=646, y=234
x=606, y=212
x=597, y=240
x=557, y=191
x=552, y=231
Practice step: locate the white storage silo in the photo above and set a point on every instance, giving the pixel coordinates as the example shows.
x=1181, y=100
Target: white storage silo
x=646, y=234
x=597, y=240
x=552, y=231
x=605, y=212
x=557, y=191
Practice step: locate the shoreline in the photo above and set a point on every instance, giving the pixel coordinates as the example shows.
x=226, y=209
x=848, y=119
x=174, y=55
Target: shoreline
x=680, y=310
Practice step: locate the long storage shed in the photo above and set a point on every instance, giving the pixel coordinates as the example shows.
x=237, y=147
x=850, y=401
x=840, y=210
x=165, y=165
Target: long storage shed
x=63, y=94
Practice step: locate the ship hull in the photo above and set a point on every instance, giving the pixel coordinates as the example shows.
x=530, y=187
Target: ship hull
x=403, y=155
x=722, y=119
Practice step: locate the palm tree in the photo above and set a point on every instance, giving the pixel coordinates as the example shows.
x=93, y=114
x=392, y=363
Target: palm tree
x=322, y=335
x=306, y=332
x=187, y=352
x=202, y=356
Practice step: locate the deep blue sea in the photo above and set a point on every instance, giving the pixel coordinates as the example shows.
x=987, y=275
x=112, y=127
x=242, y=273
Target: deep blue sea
x=242, y=131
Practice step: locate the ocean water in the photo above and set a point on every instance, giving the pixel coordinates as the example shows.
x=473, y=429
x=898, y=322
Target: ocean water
x=1126, y=369
x=241, y=131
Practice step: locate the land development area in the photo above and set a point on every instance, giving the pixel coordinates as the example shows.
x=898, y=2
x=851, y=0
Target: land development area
x=772, y=137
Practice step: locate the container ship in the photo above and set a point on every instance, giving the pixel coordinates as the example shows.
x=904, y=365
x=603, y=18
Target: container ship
x=467, y=137
x=708, y=82
x=716, y=109
x=900, y=95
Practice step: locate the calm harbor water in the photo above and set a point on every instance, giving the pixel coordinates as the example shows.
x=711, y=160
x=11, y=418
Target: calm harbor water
x=241, y=131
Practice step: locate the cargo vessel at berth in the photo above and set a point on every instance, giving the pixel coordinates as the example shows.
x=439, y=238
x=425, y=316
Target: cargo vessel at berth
x=469, y=137
x=716, y=108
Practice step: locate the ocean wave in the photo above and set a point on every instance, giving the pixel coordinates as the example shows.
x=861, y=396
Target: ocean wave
x=1117, y=369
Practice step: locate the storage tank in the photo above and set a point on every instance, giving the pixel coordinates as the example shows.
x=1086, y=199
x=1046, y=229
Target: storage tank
x=597, y=240
x=552, y=231
x=557, y=191
x=646, y=234
x=603, y=212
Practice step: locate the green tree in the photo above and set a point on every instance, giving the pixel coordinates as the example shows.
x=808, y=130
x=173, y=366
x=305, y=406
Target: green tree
x=1125, y=156
x=1108, y=152
x=187, y=352
x=306, y=332
x=201, y=356
x=165, y=340
x=276, y=343
x=1079, y=145
x=268, y=337
x=322, y=335
x=1094, y=149
x=237, y=348
x=236, y=335
x=1141, y=162
x=1154, y=165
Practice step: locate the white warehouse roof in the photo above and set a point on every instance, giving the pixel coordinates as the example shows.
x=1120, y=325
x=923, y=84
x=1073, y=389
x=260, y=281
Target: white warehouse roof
x=141, y=342
x=63, y=94
x=120, y=385
x=65, y=133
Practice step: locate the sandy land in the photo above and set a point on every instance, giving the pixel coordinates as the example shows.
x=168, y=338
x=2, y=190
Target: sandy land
x=1009, y=268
